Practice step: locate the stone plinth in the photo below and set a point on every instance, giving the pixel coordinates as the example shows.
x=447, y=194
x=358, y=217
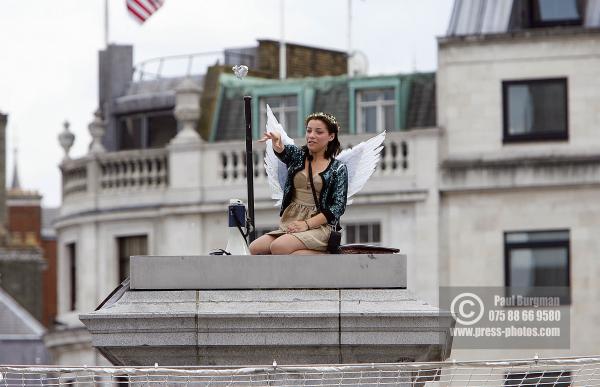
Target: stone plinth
x=269, y=272
x=307, y=322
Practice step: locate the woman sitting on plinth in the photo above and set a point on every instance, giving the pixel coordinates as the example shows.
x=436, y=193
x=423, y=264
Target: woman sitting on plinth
x=304, y=226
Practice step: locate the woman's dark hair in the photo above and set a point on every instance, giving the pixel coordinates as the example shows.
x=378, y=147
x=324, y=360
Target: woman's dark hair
x=333, y=147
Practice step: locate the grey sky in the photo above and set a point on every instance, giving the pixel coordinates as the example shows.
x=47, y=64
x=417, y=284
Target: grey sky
x=48, y=67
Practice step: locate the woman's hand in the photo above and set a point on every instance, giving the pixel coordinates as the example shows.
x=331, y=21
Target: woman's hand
x=297, y=226
x=276, y=138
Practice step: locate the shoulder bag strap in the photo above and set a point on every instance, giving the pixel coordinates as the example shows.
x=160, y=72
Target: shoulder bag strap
x=312, y=184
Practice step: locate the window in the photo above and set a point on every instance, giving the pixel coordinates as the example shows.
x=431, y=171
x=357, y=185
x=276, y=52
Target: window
x=285, y=109
x=538, y=259
x=375, y=110
x=535, y=110
x=72, y=262
x=149, y=130
x=362, y=233
x=547, y=13
x=544, y=379
x=128, y=246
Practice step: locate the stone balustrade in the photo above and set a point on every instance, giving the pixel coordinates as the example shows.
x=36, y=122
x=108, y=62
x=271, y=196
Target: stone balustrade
x=207, y=168
x=134, y=170
x=74, y=177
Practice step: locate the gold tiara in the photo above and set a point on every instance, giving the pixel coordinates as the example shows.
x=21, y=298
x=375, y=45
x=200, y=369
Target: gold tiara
x=329, y=117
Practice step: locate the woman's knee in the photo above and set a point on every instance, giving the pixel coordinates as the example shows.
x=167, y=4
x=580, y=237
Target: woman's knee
x=285, y=245
x=261, y=245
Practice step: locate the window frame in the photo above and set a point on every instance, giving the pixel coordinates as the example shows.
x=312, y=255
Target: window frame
x=71, y=248
x=508, y=138
x=369, y=224
x=262, y=111
x=122, y=259
x=536, y=22
x=401, y=92
x=145, y=129
x=379, y=104
x=509, y=246
x=304, y=97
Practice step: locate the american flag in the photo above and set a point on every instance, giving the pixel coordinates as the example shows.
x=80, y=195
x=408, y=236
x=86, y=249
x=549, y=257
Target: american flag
x=141, y=10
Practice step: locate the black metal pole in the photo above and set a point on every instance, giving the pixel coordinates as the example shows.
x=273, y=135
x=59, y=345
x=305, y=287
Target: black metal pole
x=249, y=166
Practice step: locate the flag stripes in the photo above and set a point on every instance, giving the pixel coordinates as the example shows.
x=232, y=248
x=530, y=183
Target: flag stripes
x=141, y=10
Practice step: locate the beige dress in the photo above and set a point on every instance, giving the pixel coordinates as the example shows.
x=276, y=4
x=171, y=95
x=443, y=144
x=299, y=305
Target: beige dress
x=303, y=207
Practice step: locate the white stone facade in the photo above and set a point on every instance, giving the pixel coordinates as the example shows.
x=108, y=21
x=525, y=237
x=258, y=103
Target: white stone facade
x=489, y=187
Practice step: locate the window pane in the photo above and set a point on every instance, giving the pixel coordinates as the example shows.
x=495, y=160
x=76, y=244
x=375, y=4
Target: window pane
x=72, y=259
x=363, y=233
x=290, y=100
x=128, y=246
x=369, y=95
x=161, y=129
x=388, y=94
x=273, y=102
x=557, y=10
x=130, y=133
x=537, y=107
x=520, y=108
x=539, y=267
x=389, y=115
x=376, y=233
x=285, y=109
x=291, y=122
x=369, y=119
x=350, y=234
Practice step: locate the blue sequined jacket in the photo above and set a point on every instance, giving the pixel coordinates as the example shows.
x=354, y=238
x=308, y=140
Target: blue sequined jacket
x=335, y=183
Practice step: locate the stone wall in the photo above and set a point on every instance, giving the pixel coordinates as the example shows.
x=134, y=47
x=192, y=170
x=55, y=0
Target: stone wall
x=469, y=84
x=301, y=61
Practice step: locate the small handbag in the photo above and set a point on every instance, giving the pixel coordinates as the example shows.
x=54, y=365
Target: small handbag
x=335, y=235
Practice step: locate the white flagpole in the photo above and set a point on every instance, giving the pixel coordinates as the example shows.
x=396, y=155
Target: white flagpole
x=282, y=49
x=106, y=23
x=349, y=35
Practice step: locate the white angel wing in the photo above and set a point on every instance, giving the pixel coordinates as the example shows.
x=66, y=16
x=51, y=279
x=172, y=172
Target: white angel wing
x=276, y=169
x=361, y=162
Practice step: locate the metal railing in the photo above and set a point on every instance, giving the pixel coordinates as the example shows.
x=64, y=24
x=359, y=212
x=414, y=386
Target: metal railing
x=188, y=64
x=584, y=371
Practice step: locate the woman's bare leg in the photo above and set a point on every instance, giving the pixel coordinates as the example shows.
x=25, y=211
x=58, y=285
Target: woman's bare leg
x=261, y=245
x=286, y=244
x=309, y=252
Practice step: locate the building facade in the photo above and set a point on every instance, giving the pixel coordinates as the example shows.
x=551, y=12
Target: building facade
x=488, y=177
x=518, y=102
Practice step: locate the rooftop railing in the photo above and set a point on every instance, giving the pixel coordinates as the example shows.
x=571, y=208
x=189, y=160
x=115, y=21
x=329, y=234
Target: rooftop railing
x=188, y=64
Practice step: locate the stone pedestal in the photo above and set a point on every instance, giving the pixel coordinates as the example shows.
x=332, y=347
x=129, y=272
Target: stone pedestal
x=253, y=310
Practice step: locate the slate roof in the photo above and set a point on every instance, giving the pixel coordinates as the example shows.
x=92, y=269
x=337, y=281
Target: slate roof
x=474, y=17
x=15, y=320
x=331, y=95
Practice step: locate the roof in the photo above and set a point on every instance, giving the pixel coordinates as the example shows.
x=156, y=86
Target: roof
x=476, y=17
x=15, y=321
x=331, y=94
